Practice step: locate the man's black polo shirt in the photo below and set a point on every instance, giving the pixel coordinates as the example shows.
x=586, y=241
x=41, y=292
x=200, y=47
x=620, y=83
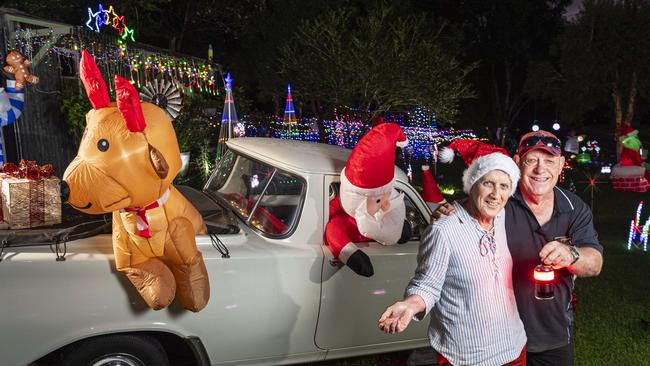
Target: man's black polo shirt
x=547, y=322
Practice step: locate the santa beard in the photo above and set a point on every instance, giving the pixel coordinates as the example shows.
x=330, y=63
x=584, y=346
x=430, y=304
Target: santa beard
x=385, y=227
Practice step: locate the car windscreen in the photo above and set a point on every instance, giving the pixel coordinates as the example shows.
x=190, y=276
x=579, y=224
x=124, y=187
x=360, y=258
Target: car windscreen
x=268, y=199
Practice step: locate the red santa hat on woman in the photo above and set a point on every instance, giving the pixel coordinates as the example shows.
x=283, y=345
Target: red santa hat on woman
x=370, y=169
x=480, y=158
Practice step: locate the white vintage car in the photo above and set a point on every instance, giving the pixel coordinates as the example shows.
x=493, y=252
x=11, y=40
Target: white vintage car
x=278, y=297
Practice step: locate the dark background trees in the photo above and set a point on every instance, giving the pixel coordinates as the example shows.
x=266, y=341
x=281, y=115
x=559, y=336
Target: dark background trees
x=517, y=60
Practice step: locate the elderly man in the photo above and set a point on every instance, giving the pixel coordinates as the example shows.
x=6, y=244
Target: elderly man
x=464, y=271
x=552, y=225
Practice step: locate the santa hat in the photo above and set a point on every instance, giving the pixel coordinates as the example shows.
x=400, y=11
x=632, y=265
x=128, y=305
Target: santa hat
x=627, y=131
x=480, y=158
x=370, y=169
x=430, y=191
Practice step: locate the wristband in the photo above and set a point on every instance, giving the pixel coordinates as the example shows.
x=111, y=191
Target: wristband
x=575, y=253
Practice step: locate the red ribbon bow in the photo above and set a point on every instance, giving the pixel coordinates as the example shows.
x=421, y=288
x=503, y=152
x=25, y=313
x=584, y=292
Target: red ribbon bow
x=28, y=169
x=142, y=223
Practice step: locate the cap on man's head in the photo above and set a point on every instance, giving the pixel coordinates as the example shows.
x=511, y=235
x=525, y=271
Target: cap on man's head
x=539, y=140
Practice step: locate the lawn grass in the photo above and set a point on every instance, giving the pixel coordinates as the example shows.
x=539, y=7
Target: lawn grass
x=612, y=325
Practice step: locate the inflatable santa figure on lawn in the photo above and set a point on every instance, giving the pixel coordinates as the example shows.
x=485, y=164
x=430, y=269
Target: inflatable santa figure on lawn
x=367, y=208
x=430, y=191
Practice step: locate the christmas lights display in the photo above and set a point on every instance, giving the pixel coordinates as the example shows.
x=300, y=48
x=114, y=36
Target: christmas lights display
x=139, y=64
x=101, y=18
x=572, y=186
x=350, y=125
x=289, y=121
x=589, y=152
x=638, y=234
x=422, y=117
x=228, y=120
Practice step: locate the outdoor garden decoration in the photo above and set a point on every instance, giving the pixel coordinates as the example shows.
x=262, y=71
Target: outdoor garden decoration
x=228, y=118
x=163, y=94
x=18, y=65
x=96, y=20
x=130, y=151
x=638, y=233
x=368, y=207
x=592, y=181
x=12, y=102
x=632, y=173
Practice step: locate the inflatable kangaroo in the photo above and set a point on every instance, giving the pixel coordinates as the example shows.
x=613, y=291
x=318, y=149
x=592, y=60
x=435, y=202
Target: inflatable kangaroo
x=127, y=160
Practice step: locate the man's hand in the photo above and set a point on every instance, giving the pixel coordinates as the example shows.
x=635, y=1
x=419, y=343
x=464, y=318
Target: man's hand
x=556, y=254
x=396, y=318
x=443, y=210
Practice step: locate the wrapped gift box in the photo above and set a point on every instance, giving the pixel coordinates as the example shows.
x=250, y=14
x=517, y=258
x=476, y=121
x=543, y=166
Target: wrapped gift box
x=30, y=203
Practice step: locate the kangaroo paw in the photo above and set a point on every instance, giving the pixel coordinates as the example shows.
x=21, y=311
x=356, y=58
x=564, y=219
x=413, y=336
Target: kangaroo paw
x=154, y=281
x=192, y=283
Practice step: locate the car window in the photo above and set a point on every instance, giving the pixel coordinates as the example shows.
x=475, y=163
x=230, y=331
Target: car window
x=279, y=206
x=414, y=217
x=267, y=199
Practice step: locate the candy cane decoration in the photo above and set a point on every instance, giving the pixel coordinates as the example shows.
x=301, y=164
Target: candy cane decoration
x=12, y=102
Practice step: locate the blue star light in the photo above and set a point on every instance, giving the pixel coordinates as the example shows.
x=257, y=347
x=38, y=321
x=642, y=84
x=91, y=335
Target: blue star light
x=92, y=16
x=102, y=16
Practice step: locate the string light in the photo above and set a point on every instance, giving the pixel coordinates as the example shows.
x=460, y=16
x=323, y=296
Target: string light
x=638, y=235
x=100, y=18
x=114, y=57
x=348, y=127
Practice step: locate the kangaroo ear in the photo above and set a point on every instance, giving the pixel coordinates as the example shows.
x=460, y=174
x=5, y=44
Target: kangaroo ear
x=128, y=103
x=159, y=163
x=93, y=81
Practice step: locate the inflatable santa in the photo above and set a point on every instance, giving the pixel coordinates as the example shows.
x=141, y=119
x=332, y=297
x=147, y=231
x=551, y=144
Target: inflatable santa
x=368, y=208
x=430, y=191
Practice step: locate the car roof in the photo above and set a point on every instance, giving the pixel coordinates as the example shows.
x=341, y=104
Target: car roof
x=303, y=156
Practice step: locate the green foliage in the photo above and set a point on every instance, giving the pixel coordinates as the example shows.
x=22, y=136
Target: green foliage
x=205, y=160
x=193, y=125
x=74, y=109
x=377, y=61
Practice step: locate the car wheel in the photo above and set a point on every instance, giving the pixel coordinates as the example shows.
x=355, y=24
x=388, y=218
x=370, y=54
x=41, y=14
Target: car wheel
x=117, y=350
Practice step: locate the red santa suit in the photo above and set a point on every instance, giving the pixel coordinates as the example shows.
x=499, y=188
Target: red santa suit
x=368, y=208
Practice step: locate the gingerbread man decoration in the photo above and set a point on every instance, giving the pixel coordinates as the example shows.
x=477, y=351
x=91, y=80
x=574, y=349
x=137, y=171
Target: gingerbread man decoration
x=19, y=66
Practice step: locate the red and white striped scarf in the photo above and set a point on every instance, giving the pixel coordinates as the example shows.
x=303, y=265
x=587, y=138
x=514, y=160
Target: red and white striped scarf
x=141, y=220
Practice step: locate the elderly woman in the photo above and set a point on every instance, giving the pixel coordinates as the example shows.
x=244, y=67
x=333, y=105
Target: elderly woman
x=464, y=270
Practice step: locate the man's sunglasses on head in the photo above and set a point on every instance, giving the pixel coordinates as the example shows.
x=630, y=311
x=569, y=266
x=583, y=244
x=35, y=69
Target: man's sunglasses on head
x=551, y=142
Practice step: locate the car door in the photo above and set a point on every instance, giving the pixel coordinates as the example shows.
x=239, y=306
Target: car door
x=351, y=304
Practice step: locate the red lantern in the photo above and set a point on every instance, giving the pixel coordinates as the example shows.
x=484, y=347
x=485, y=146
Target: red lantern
x=544, y=278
